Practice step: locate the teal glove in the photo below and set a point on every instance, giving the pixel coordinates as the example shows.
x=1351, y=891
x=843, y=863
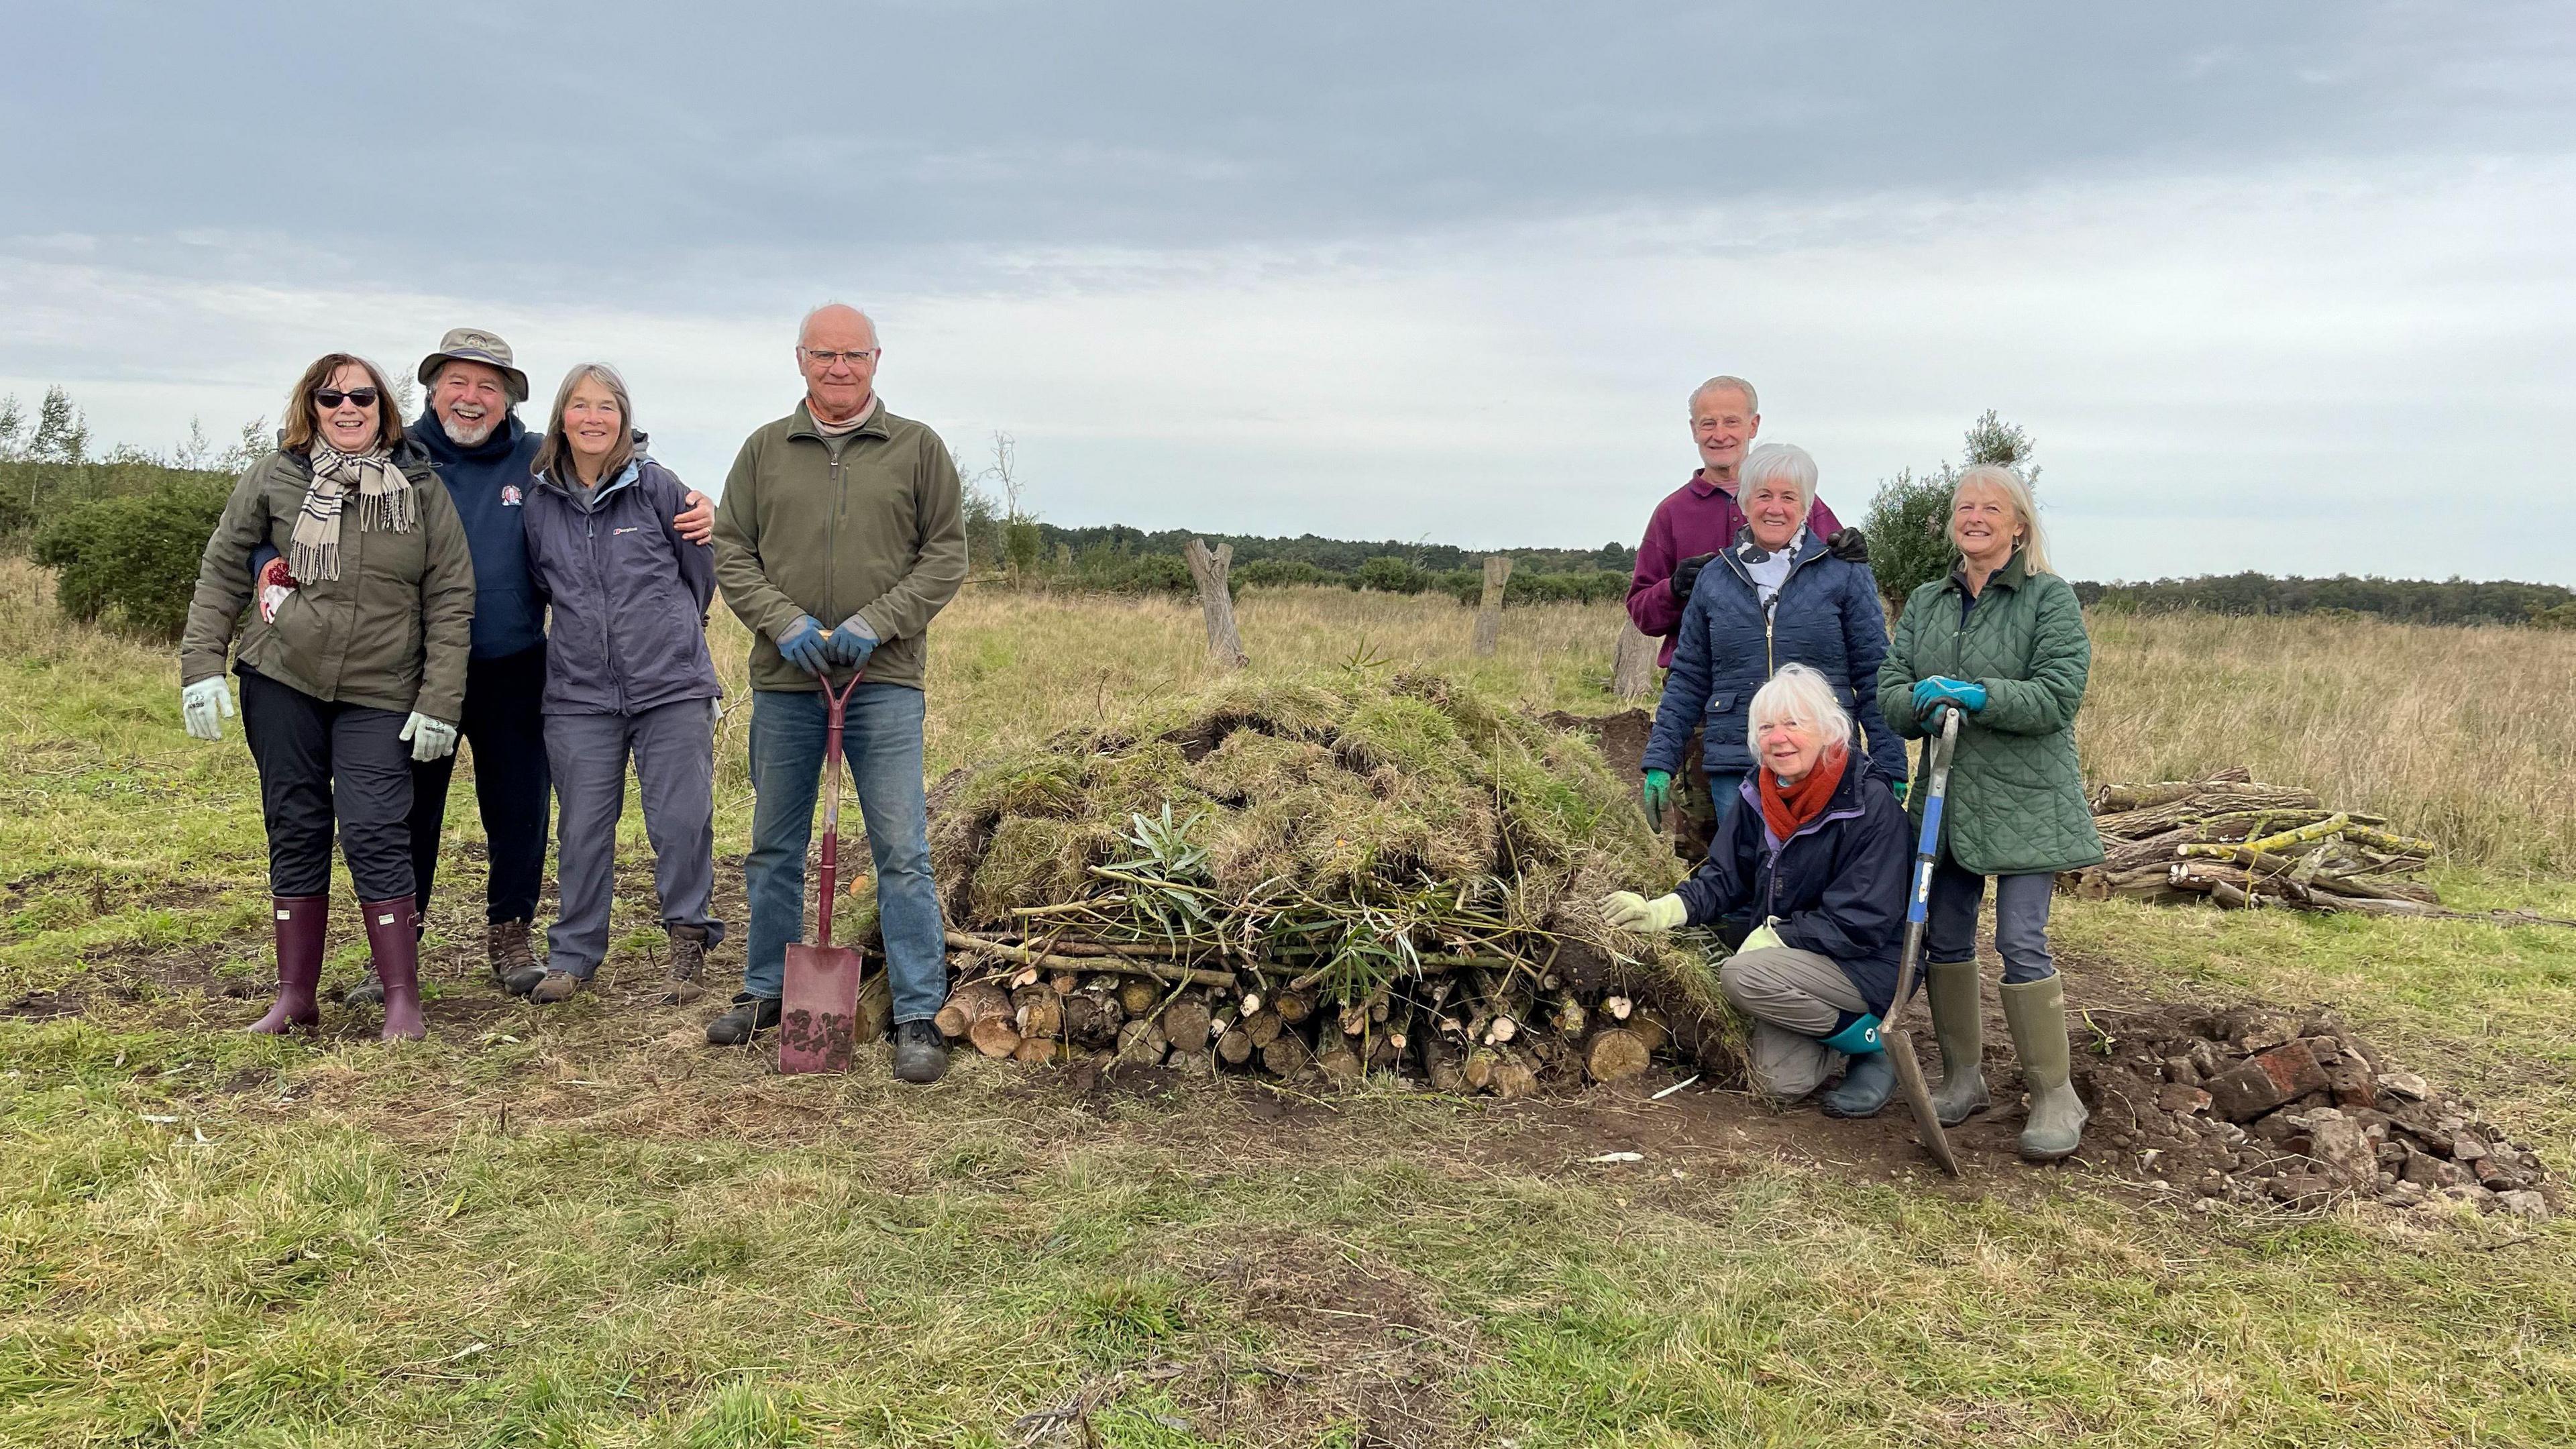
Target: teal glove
x=431, y=739
x=1659, y=797
x=203, y=706
x=852, y=643
x=1899, y=787
x=802, y=645
x=1940, y=689
x=1630, y=911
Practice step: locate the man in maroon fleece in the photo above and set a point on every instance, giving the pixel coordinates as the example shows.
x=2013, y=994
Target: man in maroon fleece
x=1687, y=530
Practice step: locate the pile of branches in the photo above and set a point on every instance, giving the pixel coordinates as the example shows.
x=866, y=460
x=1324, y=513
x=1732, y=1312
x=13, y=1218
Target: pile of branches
x=2237, y=842
x=1332, y=877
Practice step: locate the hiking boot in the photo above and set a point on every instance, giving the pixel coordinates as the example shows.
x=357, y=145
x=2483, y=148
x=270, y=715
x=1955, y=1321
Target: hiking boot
x=367, y=995
x=301, y=921
x=1960, y=1027
x=920, y=1053
x=505, y=948
x=395, y=949
x=688, y=958
x=751, y=1015
x=2036, y=1012
x=557, y=986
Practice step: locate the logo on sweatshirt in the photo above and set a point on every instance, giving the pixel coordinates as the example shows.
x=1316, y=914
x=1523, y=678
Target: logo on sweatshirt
x=510, y=495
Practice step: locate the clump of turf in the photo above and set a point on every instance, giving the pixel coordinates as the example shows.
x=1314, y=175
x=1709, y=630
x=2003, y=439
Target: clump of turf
x=1349, y=820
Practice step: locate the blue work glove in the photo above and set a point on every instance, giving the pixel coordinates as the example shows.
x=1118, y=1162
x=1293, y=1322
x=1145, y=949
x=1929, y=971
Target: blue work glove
x=1659, y=798
x=852, y=643
x=802, y=645
x=431, y=739
x=1941, y=689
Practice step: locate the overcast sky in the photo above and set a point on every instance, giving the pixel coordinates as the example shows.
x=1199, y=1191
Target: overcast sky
x=2282, y=286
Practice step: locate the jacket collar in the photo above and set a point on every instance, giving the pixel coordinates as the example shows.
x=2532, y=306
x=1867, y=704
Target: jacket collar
x=2014, y=573
x=1701, y=484
x=1846, y=803
x=800, y=423
x=633, y=470
x=1808, y=548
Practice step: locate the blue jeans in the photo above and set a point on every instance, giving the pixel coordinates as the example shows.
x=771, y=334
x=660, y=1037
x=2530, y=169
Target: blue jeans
x=2021, y=919
x=881, y=741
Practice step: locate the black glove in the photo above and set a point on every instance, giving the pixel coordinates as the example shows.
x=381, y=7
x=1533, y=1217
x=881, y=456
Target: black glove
x=1686, y=575
x=1849, y=546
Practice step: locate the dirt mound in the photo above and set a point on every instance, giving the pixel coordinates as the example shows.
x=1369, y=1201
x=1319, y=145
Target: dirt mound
x=2250, y=1105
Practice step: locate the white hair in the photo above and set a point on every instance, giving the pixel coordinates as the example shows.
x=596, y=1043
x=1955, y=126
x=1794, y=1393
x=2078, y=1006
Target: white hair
x=1724, y=383
x=2034, y=539
x=805, y=324
x=1797, y=695
x=1780, y=463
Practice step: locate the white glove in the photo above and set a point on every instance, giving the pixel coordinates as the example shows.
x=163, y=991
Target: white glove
x=204, y=706
x=431, y=739
x=1762, y=938
x=1630, y=911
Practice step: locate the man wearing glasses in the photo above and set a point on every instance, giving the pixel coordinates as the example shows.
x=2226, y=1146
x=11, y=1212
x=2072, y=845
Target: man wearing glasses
x=840, y=536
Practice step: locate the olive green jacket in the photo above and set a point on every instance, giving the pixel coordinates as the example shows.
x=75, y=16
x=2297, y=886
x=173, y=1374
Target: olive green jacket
x=874, y=527
x=2016, y=804
x=391, y=632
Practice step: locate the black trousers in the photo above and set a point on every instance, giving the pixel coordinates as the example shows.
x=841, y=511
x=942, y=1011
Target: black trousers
x=513, y=786
x=321, y=765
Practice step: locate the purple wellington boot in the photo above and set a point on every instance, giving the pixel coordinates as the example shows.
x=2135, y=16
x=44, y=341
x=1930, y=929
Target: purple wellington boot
x=301, y=920
x=395, y=947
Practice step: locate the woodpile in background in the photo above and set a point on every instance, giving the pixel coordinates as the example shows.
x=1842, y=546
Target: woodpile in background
x=2234, y=841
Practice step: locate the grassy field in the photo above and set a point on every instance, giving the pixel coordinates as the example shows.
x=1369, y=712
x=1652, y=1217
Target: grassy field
x=578, y=1227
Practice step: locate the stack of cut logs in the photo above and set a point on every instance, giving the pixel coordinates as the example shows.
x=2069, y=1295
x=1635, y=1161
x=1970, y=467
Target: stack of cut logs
x=1466, y=1023
x=2234, y=841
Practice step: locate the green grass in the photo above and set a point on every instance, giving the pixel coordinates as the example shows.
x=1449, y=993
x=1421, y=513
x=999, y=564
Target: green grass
x=577, y=1227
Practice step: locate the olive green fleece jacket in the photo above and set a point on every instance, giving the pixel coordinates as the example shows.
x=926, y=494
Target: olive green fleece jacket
x=874, y=526
x=391, y=632
x=2016, y=804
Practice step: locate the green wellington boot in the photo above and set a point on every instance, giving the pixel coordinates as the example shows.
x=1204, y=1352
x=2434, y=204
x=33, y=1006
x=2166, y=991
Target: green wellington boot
x=2036, y=1012
x=1958, y=1022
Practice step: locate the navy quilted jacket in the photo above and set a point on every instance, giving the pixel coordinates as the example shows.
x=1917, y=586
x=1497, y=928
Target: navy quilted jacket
x=1826, y=616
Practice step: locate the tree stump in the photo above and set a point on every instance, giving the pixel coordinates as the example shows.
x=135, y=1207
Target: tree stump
x=1208, y=570
x=1489, y=614
x=1632, y=669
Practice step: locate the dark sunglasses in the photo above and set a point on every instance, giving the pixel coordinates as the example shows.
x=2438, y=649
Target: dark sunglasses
x=364, y=397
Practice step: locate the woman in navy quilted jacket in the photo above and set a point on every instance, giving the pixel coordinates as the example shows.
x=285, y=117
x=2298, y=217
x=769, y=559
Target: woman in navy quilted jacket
x=1775, y=598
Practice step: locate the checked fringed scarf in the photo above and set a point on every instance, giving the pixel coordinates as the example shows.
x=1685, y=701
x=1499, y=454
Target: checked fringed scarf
x=385, y=505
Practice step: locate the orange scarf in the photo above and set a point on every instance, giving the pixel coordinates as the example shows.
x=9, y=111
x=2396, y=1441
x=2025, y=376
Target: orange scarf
x=1785, y=811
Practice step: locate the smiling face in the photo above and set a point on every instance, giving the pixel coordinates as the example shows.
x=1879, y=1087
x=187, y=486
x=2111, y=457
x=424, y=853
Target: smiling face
x=469, y=399
x=1772, y=510
x=1985, y=525
x=838, y=355
x=592, y=422
x=352, y=426
x=1723, y=423
x=1790, y=748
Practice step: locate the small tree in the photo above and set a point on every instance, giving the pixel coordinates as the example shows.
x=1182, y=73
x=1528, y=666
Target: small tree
x=134, y=553
x=1909, y=519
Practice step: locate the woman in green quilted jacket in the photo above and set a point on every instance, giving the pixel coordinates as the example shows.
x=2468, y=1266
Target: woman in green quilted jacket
x=2002, y=641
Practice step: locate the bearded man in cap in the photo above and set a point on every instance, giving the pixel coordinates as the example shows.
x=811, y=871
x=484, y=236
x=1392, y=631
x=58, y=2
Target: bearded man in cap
x=483, y=453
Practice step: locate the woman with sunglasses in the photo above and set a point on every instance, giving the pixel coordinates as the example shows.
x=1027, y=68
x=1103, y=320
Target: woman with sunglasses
x=352, y=665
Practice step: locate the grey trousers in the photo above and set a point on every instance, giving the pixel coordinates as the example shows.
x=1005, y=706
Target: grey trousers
x=2021, y=919
x=1794, y=998
x=674, y=750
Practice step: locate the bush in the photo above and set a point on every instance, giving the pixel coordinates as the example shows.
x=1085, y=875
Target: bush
x=1530, y=586
x=1390, y=576
x=136, y=554
x=1272, y=573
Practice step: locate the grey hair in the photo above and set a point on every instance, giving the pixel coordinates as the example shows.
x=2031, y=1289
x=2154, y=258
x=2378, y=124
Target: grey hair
x=1780, y=463
x=1797, y=693
x=2034, y=539
x=554, y=455
x=1725, y=383
x=805, y=324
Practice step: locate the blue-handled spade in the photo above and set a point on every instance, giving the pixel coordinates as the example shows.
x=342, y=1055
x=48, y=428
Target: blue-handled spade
x=1898, y=1045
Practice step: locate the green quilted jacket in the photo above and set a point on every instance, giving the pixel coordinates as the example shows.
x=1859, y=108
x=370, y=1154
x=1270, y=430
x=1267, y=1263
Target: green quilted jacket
x=2016, y=804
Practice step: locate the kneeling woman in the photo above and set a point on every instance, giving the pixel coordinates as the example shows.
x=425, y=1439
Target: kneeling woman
x=627, y=674
x=1814, y=857
x=352, y=666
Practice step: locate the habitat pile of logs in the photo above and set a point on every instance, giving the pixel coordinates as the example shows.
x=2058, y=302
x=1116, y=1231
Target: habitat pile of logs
x=1355, y=874
x=2251, y=1107
x=2233, y=841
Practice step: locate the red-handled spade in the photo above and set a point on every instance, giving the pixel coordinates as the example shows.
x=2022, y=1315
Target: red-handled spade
x=818, y=1010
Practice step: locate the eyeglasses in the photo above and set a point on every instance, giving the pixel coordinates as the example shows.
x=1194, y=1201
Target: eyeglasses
x=853, y=357
x=364, y=397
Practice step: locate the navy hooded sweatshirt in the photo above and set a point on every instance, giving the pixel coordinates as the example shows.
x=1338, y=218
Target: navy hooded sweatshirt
x=490, y=484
